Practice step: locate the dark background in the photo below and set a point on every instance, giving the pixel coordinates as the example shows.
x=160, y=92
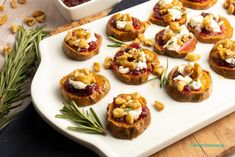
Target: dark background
x=29, y=136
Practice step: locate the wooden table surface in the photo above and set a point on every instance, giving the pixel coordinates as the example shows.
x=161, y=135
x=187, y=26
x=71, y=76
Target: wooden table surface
x=220, y=132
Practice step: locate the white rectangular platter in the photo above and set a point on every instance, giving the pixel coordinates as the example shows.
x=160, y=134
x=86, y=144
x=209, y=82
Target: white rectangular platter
x=176, y=121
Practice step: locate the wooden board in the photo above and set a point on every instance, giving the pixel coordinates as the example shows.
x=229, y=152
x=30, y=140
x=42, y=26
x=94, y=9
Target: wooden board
x=220, y=132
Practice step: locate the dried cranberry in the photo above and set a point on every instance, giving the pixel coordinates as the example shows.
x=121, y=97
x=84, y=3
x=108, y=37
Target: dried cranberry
x=199, y=1
x=92, y=46
x=187, y=88
x=72, y=3
x=135, y=45
x=136, y=23
x=144, y=112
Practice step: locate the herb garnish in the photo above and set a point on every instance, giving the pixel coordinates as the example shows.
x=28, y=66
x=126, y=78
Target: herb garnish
x=117, y=42
x=163, y=79
x=86, y=120
x=19, y=65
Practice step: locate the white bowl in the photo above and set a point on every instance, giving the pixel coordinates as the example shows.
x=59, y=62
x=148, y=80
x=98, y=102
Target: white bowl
x=85, y=9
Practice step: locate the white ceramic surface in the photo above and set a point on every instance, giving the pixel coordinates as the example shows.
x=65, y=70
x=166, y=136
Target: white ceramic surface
x=84, y=10
x=176, y=121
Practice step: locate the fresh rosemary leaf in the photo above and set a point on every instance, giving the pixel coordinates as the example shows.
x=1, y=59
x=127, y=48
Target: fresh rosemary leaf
x=86, y=120
x=115, y=40
x=163, y=78
x=115, y=45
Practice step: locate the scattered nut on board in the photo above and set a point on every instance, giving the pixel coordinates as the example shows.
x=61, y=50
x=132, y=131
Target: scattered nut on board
x=39, y=16
x=3, y=19
x=192, y=57
x=14, y=28
x=158, y=105
x=2, y=8
x=30, y=21
x=108, y=63
x=22, y=1
x=96, y=67
x=6, y=49
x=13, y=4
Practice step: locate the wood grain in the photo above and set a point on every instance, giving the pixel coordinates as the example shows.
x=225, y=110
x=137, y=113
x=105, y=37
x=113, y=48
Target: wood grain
x=220, y=132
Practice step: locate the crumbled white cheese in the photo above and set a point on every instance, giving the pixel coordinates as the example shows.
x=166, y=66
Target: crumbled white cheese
x=141, y=65
x=122, y=24
x=123, y=70
x=195, y=85
x=175, y=13
x=214, y=26
x=136, y=113
x=164, y=2
x=186, y=79
x=230, y=60
x=196, y=21
x=90, y=39
x=77, y=84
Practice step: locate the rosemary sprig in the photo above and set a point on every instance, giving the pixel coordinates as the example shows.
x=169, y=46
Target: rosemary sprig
x=163, y=79
x=19, y=65
x=117, y=43
x=86, y=120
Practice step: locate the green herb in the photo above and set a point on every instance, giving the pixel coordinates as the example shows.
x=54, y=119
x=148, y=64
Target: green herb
x=127, y=109
x=117, y=42
x=87, y=121
x=19, y=65
x=163, y=79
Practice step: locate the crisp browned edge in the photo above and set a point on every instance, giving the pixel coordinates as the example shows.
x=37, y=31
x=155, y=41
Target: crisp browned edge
x=199, y=5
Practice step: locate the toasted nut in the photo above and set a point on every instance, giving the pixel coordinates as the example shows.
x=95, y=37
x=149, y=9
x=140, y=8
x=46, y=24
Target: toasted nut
x=180, y=85
x=137, y=40
x=39, y=16
x=14, y=28
x=22, y=1
x=3, y=19
x=86, y=71
x=120, y=101
x=7, y=49
x=158, y=105
x=188, y=69
x=96, y=67
x=30, y=21
x=167, y=18
x=134, y=104
x=136, y=95
x=118, y=113
x=192, y=57
x=129, y=119
x=13, y=4
x=2, y=8
x=129, y=27
x=146, y=24
x=108, y=62
x=231, y=9
x=175, y=26
x=197, y=72
x=158, y=70
x=141, y=37
x=127, y=97
x=148, y=42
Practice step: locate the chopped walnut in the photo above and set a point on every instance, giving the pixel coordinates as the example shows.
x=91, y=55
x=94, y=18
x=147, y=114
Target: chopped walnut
x=230, y=6
x=14, y=28
x=39, y=16
x=30, y=21
x=13, y=4
x=226, y=49
x=158, y=105
x=158, y=70
x=129, y=119
x=108, y=63
x=148, y=42
x=192, y=57
x=197, y=72
x=7, y=49
x=3, y=19
x=2, y=8
x=22, y=1
x=175, y=26
x=83, y=75
x=97, y=67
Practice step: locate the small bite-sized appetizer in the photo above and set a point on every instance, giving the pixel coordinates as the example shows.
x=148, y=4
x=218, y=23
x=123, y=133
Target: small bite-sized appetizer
x=84, y=87
x=124, y=27
x=198, y=4
x=175, y=41
x=128, y=116
x=81, y=44
x=210, y=28
x=133, y=64
x=230, y=6
x=189, y=83
x=222, y=58
x=166, y=11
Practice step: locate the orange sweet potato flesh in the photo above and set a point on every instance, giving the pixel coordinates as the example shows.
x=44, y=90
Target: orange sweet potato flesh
x=199, y=5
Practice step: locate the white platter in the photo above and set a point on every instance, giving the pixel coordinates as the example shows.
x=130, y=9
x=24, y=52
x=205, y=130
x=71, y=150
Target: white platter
x=176, y=121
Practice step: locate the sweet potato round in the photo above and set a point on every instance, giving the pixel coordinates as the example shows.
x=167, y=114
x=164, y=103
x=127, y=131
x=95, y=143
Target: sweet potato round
x=193, y=96
x=228, y=33
x=80, y=56
x=121, y=34
x=87, y=100
x=125, y=131
x=198, y=5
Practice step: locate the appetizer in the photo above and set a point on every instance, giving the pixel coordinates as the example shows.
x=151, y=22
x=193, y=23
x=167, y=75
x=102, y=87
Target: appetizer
x=133, y=64
x=222, y=58
x=189, y=83
x=175, y=41
x=198, y=4
x=128, y=116
x=84, y=87
x=210, y=28
x=81, y=44
x=124, y=27
x=166, y=11
x=230, y=6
